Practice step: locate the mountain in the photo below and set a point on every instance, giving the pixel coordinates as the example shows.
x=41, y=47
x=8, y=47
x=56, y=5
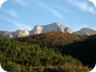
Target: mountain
x=85, y=31
x=49, y=28
x=54, y=27
x=6, y=33
x=38, y=29
x=20, y=33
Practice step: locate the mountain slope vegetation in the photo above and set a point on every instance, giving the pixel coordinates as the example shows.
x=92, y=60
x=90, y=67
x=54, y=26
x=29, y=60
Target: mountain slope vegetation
x=80, y=47
x=52, y=38
x=47, y=52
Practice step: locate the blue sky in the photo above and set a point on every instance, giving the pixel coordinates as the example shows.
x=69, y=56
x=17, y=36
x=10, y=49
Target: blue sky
x=25, y=14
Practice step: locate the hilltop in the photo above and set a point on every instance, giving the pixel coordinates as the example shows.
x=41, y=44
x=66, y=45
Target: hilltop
x=52, y=38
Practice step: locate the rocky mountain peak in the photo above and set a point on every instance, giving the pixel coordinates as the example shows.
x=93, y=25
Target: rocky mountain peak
x=6, y=33
x=50, y=27
x=86, y=31
x=56, y=24
x=38, y=29
x=21, y=33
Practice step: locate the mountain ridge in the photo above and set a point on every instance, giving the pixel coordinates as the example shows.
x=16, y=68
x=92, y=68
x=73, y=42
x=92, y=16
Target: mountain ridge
x=85, y=31
x=38, y=29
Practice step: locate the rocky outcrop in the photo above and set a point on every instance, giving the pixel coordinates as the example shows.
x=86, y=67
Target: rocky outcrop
x=85, y=31
x=38, y=29
x=21, y=33
x=6, y=34
x=50, y=27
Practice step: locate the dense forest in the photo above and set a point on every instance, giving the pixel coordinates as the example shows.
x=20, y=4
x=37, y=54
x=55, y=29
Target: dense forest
x=48, y=52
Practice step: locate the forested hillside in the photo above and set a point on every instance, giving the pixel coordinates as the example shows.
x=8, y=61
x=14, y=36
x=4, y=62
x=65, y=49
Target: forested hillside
x=52, y=38
x=47, y=52
x=81, y=47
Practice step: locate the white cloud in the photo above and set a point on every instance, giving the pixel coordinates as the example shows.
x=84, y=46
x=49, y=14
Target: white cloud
x=22, y=2
x=19, y=25
x=63, y=9
x=56, y=13
x=52, y=10
x=16, y=23
x=83, y=5
x=13, y=13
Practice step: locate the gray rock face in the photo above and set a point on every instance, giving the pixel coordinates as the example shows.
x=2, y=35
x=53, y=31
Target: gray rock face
x=47, y=28
x=21, y=33
x=6, y=33
x=37, y=30
x=50, y=27
x=86, y=31
x=2, y=32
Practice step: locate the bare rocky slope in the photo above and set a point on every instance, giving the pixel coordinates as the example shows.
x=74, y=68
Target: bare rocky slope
x=85, y=31
x=49, y=28
x=55, y=27
x=38, y=29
